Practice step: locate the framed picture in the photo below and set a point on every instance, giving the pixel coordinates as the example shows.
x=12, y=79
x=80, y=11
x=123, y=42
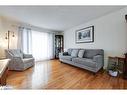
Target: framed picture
x=85, y=35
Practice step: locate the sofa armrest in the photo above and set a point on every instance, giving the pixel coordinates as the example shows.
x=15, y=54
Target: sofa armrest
x=98, y=59
x=63, y=53
x=27, y=56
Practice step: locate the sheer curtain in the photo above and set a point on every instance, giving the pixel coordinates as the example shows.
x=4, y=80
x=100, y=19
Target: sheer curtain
x=24, y=40
x=20, y=38
x=27, y=41
x=39, y=44
x=42, y=45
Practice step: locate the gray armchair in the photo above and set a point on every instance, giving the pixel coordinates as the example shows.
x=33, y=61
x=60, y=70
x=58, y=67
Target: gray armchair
x=19, y=60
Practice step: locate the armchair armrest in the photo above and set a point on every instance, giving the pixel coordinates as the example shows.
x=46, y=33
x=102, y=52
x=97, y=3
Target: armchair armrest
x=16, y=60
x=27, y=56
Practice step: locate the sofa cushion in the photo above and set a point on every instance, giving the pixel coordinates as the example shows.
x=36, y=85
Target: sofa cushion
x=74, y=53
x=89, y=53
x=81, y=53
x=66, y=58
x=84, y=61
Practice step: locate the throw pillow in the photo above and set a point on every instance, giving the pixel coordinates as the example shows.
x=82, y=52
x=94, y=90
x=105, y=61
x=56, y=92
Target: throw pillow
x=69, y=51
x=81, y=53
x=74, y=52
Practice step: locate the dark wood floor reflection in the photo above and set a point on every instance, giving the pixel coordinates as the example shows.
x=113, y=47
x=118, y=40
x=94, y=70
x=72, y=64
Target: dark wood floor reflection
x=55, y=75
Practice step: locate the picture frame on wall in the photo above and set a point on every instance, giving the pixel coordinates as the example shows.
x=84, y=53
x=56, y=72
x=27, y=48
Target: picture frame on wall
x=85, y=35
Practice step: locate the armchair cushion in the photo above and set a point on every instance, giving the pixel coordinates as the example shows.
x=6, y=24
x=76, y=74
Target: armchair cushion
x=28, y=60
x=27, y=56
x=16, y=53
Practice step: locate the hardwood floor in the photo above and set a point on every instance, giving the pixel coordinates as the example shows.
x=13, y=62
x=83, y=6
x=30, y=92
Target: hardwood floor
x=55, y=75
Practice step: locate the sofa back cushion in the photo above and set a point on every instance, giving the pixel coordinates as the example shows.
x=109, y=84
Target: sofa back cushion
x=81, y=53
x=74, y=53
x=89, y=53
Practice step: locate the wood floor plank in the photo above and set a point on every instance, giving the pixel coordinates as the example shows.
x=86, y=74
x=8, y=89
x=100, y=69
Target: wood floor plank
x=55, y=75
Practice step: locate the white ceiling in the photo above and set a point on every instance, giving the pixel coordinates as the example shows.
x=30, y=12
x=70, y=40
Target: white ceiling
x=58, y=18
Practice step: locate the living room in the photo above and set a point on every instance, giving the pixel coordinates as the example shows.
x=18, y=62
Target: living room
x=42, y=53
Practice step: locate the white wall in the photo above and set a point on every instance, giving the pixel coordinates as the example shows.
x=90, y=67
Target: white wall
x=2, y=45
x=6, y=25
x=59, y=33
x=110, y=34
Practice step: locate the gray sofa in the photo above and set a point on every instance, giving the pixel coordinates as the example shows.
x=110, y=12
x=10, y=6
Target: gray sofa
x=19, y=60
x=89, y=59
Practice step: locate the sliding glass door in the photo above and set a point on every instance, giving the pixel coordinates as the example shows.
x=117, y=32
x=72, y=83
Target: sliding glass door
x=39, y=44
x=42, y=45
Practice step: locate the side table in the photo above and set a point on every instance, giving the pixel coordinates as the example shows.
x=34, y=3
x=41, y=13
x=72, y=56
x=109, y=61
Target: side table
x=116, y=61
